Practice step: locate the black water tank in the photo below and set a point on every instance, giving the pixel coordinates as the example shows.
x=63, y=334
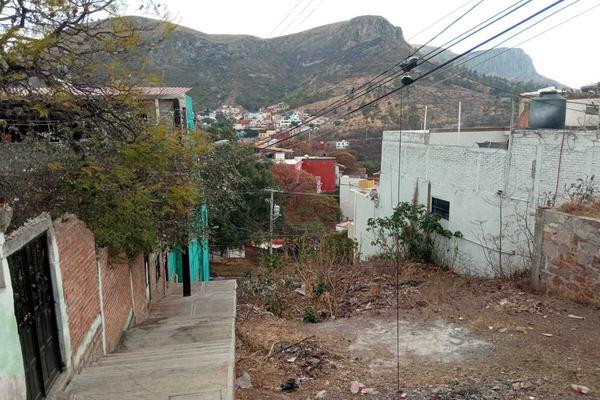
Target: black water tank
x=548, y=111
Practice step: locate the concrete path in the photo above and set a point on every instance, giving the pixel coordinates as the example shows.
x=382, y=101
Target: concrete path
x=184, y=351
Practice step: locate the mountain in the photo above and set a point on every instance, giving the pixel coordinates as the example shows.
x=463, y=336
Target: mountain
x=255, y=72
x=311, y=68
x=508, y=63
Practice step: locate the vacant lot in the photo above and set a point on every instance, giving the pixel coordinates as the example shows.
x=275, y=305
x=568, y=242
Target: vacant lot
x=457, y=338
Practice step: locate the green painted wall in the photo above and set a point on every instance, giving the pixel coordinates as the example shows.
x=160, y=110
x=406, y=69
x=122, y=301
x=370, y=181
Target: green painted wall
x=197, y=252
x=12, y=372
x=189, y=105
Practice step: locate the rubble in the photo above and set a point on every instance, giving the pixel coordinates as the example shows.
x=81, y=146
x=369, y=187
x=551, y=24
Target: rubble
x=244, y=381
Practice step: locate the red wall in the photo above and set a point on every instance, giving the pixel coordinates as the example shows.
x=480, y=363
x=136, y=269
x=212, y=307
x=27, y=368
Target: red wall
x=325, y=169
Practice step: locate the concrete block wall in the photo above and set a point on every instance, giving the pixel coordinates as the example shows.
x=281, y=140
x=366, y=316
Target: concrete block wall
x=568, y=255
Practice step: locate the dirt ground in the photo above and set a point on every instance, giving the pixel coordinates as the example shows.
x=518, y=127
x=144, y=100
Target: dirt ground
x=459, y=338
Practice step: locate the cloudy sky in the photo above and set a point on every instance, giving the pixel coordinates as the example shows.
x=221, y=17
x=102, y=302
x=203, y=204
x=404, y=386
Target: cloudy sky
x=565, y=53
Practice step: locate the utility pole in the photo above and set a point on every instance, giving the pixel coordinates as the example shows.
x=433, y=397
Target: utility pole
x=274, y=211
x=271, y=204
x=185, y=272
x=459, y=114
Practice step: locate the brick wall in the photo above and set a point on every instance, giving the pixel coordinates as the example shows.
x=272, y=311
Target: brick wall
x=567, y=262
x=141, y=298
x=117, y=298
x=77, y=253
x=80, y=264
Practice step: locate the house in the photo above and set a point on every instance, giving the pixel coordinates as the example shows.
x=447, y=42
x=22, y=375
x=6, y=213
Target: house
x=486, y=184
x=341, y=145
x=324, y=169
x=171, y=104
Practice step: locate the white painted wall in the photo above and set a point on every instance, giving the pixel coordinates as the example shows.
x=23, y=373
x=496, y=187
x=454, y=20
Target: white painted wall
x=576, y=115
x=347, y=184
x=469, y=178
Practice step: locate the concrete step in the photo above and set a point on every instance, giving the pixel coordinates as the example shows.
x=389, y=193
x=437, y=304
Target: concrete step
x=133, y=358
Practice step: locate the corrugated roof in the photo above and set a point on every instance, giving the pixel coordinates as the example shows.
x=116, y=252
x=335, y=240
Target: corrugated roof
x=165, y=91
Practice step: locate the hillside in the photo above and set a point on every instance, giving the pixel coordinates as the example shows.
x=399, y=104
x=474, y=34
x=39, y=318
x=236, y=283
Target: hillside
x=312, y=67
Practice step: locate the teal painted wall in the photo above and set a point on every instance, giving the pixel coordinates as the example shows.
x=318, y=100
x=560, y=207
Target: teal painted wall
x=189, y=106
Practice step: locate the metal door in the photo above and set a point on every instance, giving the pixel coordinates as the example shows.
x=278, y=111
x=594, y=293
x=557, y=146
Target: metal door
x=36, y=316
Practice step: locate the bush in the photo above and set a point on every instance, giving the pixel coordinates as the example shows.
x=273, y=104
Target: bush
x=409, y=234
x=310, y=315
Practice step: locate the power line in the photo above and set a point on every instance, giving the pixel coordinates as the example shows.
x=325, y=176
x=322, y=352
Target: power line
x=352, y=97
x=460, y=55
x=485, y=84
x=438, y=20
x=312, y=12
x=296, y=18
x=286, y=17
x=522, y=42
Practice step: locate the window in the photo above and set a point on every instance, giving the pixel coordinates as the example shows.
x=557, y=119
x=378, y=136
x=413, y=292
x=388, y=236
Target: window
x=440, y=207
x=591, y=109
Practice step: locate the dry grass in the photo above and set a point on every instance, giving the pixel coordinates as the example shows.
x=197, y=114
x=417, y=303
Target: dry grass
x=583, y=209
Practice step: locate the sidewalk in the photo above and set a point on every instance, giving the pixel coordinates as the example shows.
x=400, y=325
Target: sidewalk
x=184, y=351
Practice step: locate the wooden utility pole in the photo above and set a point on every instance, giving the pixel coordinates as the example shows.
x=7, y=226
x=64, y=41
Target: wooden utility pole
x=185, y=272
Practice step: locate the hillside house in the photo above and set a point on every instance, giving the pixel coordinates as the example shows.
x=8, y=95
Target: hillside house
x=342, y=145
x=486, y=184
x=169, y=104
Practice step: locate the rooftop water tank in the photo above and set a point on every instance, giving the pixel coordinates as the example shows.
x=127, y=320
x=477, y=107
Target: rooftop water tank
x=548, y=111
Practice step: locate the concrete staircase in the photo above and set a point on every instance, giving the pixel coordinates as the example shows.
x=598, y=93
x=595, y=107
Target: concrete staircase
x=184, y=351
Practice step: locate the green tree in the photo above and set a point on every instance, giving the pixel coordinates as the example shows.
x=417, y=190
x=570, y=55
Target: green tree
x=232, y=181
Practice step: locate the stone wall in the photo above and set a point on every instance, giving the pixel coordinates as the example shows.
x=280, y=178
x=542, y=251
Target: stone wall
x=567, y=261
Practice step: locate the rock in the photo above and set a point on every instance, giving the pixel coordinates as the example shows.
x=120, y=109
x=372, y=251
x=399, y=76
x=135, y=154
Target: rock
x=244, y=381
x=291, y=360
x=355, y=387
x=521, y=329
x=580, y=389
x=321, y=394
x=516, y=386
x=503, y=302
x=369, y=391
x=289, y=386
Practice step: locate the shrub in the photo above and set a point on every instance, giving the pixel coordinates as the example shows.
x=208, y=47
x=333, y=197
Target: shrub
x=310, y=315
x=409, y=234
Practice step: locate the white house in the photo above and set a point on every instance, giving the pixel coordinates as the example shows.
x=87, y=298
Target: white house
x=486, y=184
x=343, y=144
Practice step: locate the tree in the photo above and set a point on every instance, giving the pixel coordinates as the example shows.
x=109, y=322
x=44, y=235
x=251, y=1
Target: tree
x=221, y=129
x=233, y=182
x=305, y=211
x=348, y=160
x=70, y=92
x=142, y=195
